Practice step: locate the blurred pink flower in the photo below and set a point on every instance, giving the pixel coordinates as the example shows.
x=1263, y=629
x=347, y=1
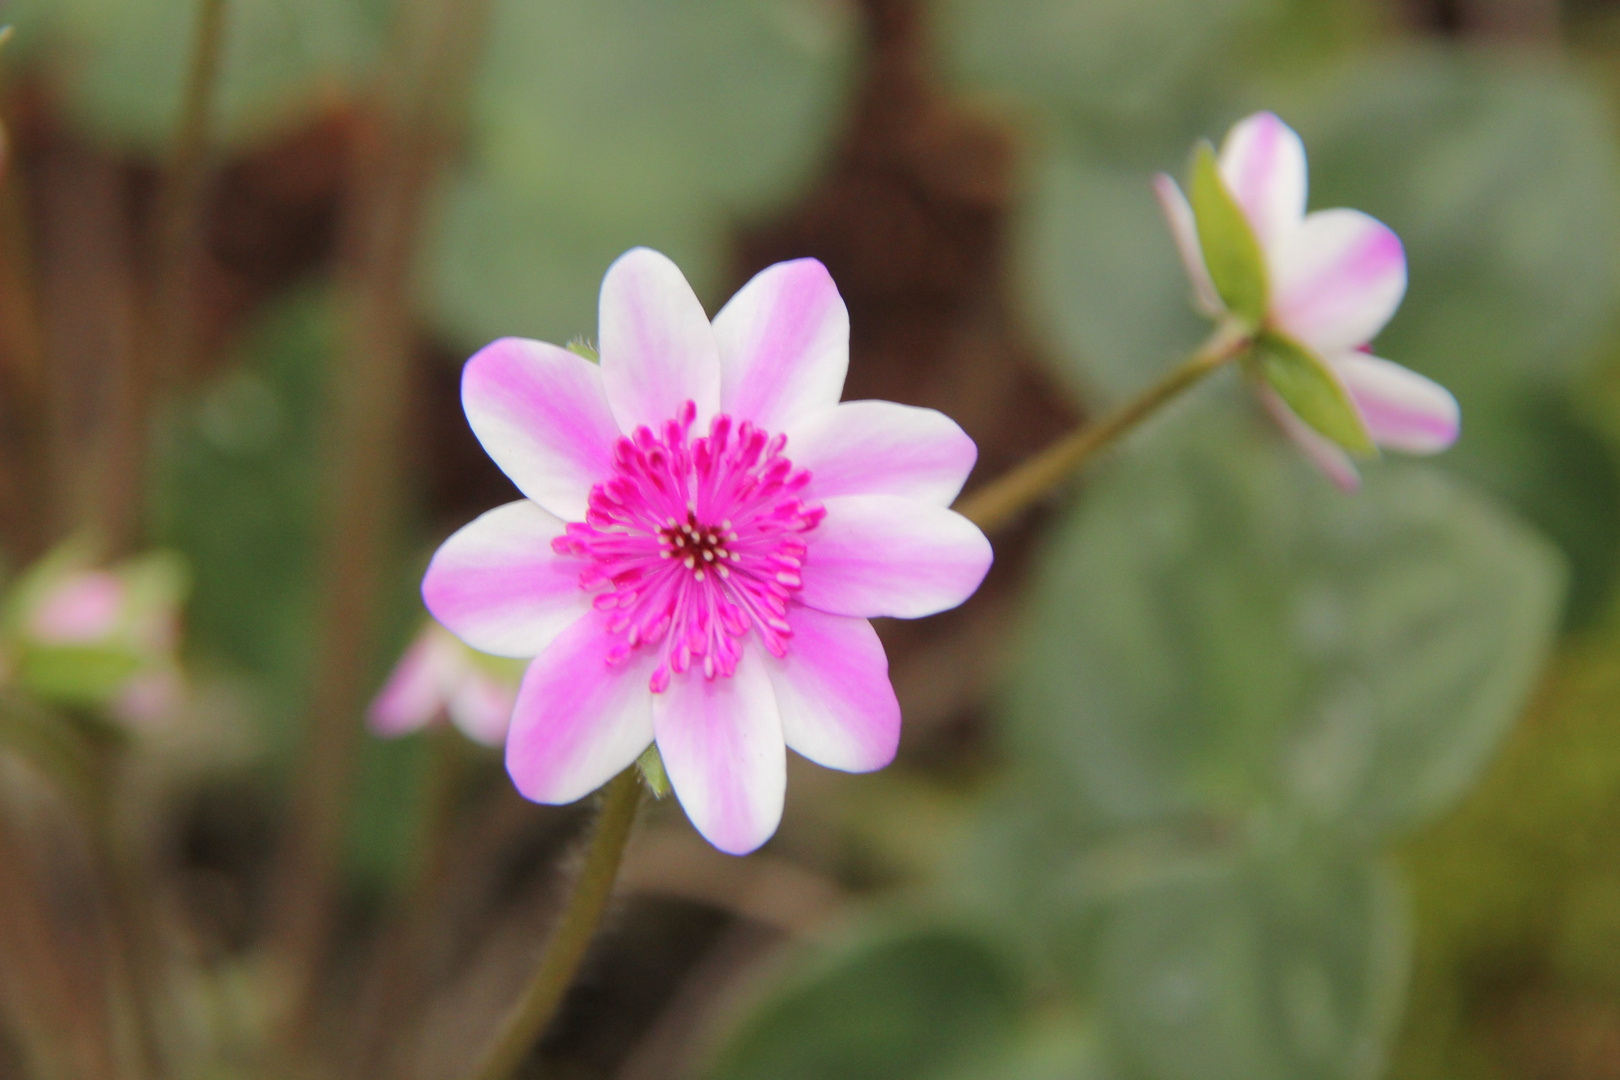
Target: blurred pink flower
x=1336, y=277
x=74, y=633
x=84, y=608
x=440, y=677
x=676, y=576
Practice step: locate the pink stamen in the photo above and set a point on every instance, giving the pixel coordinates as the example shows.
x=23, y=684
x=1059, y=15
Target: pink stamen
x=695, y=542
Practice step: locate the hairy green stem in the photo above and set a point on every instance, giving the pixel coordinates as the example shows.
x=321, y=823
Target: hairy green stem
x=1001, y=501
x=569, y=941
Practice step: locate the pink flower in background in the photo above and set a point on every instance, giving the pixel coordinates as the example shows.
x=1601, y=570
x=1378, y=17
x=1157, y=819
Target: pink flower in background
x=440, y=677
x=706, y=532
x=77, y=634
x=85, y=608
x=1336, y=277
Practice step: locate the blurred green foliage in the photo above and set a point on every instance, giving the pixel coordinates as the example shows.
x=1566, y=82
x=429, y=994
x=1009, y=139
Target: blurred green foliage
x=123, y=63
x=893, y=1003
x=1233, y=685
x=603, y=124
x=238, y=490
x=1236, y=687
x=596, y=125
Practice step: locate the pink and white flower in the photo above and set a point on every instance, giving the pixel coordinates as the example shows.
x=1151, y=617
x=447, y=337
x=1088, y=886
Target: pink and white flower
x=705, y=533
x=439, y=677
x=1335, y=278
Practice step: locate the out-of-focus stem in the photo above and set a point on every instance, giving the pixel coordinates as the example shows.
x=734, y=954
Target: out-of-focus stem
x=399, y=156
x=165, y=327
x=182, y=199
x=403, y=951
x=572, y=937
x=23, y=386
x=1001, y=501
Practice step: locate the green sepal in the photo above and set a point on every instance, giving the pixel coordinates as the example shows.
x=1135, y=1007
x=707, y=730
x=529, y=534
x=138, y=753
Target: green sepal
x=1231, y=250
x=651, y=764
x=1308, y=387
x=579, y=346
x=75, y=675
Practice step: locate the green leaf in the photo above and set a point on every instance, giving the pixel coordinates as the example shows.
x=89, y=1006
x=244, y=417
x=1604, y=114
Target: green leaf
x=1312, y=391
x=896, y=1004
x=1231, y=251
x=1257, y=969
x=1217, y=631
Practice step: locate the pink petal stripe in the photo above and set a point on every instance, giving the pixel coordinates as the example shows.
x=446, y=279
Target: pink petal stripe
x=481, y=707
x=658, y=350
x=721, y=742
x=541, y=414
x=881, y=448
x=1337, y=279
x=832, y=689
x=883, y=555
x=497, y=585
x=784, y=345
x=1324, y=453
x=1403, y=410
x=579, y=721
x=413, y=696
x=1263, y=164
x=1184, y=229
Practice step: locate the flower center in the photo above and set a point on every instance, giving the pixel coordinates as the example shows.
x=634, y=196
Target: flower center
x=694, y=542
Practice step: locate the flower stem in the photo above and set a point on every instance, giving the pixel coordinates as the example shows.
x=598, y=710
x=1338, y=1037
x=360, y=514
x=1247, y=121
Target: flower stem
x=1003, y=499
x=180, y=201
x=528, y=1019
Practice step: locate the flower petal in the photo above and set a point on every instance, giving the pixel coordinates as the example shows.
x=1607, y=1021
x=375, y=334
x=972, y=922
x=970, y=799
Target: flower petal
x=1263, y=164
x=414, y=692
x=832, y=689
x=784, y=345
x=721, y=742
x=497, y=585
x=1323, y=452
x=542, y=415
x=881, y=448
x=579, y=721
x=882, y=555
x=657, y=347
x=481, y=708
x=1402, y=409
x=1337, y=279
x=1184, y=228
